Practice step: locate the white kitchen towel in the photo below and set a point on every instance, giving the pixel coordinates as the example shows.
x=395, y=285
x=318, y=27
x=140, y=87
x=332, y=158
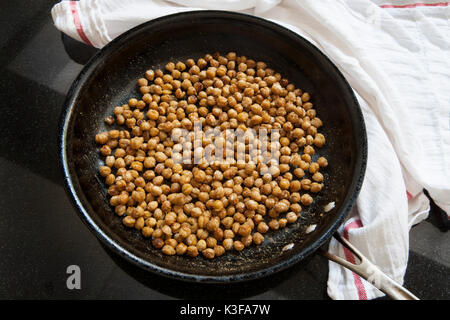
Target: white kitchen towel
x=396, y=56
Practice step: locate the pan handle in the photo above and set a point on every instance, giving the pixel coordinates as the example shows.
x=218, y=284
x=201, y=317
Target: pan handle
x=370, y=272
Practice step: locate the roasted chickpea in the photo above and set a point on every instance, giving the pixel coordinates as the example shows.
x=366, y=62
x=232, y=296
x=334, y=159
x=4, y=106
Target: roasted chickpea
x=318, y=177
x=168, y=250
x=291, y=217
x=316, y=187
x=274, y=224
x=101, y=138
x=209, y=206
x=238, y=245
x=258, y=238
x=192, y=251
x=322, y=162
x=306, y=199
x=319, y=140
x=181, y=249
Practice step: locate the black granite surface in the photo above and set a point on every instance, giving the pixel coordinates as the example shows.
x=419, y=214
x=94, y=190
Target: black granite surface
x=40, y=233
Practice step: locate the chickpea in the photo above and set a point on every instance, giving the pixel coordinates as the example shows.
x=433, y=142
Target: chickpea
x=306, y=184
x=308, y=150
x=110, y=161
x=187, y=189
x=109, y=179
x=218, y=234
x=156, y=191
x=258, y=238
x=316, y=187
x=270, y=203
x=213, y=224
x=306, y=199
x=319, y=140
x=181, y=249
x=166, y=230
x=252, y=205
x=295, y=197
x=247, y=240
x=119, y=163
x=180, y=66
x=281, y=207
x=314, y=167
x=196, y=212
x=284, y=168
x=157, y=233
x=318, y=177
x=306, y=158
x=305, y=97
x=238, y=245
x=295, y=185
x=201, y=245
x=299, y=172
x=217, y=205
x=168, y=250
x=291, y=217
x=129, y=221
x=120, y=210
x=191, y=240
x=185, y=232
x=101, y=138
x=274, y=224
x=160, y=157
x=244, y=230
x=142, y=82
x=296, y=208
x=227, y=222
x=211, y=242
x=109, y=120
x=153, y=115
x=262, y=227
x=322, y=162
x=147, y=231
x=158, y=243
x=284, y=184
x=192, y=251
x=208, y=253
x=150, y=75
x=219, y=250
x=228, y=244
x=140, y=222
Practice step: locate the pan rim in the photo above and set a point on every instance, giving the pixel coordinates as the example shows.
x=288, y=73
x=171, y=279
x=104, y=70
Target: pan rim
x=66, y=117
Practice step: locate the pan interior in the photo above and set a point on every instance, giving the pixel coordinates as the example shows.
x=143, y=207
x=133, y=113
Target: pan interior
x=110, y=80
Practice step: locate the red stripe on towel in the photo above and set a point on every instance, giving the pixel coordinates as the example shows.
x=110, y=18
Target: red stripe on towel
x=414, y=5
x=351, y=258
x=77, y=22
x=409, y=195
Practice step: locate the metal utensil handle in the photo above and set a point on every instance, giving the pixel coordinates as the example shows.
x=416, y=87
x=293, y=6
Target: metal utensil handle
x=370, y=272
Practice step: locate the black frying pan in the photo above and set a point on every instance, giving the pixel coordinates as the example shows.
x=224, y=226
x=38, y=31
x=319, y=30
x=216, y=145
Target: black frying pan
x=109, y=79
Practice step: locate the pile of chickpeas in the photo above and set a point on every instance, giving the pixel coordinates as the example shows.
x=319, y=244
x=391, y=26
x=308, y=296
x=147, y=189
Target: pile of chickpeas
x=210, y=208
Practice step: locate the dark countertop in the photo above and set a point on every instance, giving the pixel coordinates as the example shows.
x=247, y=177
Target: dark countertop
x=40, y=232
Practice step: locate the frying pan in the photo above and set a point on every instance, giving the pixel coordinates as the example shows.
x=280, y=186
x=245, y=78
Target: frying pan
x=109, y=79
